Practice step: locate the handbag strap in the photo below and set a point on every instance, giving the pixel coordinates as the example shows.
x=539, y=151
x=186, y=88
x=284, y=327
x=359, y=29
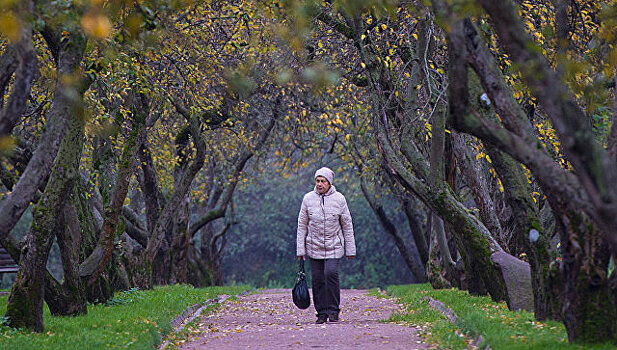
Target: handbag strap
x=301, y=266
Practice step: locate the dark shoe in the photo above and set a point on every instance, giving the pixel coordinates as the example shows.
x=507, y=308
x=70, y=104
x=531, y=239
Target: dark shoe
x=321, y=319
x=333, y=317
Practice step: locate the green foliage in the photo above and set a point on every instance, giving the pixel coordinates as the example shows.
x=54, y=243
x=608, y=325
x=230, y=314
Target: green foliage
x=135, y=319
x=501, y=328
x=601, y=121
x=125, y=297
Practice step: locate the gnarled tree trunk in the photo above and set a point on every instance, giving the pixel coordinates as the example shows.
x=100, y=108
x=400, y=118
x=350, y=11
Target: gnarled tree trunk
x=25, y=304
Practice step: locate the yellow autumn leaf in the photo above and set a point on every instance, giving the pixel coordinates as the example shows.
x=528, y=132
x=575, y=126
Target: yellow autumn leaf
x=9, y=26
x=96, y=25
x=7, y=143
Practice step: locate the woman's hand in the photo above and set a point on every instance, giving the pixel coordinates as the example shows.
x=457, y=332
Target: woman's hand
x=301, y=257
x=349, y=257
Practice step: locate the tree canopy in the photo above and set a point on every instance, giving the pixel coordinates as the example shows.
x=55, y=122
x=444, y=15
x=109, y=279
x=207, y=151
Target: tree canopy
x=139, y=135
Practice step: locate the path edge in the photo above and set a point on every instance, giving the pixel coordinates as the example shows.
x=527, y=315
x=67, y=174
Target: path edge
x=191, y=313
x=478, y=342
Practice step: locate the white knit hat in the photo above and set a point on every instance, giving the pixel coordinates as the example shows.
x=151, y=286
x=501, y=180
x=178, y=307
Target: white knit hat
x=325, y=172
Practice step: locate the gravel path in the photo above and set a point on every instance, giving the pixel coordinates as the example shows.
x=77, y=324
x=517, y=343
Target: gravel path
x=269, y=320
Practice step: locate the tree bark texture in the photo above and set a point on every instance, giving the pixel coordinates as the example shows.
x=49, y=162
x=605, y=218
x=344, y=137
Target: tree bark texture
x=414, y=220
x=525, y=219
x=25, y=304
x=524, y=213
x=73, y=300
x=123, y=177
x=589, y=309
x=149, y=187
x=24, y=73
x=415, y=267
x=435, y=271
x=165, y=217
x=437, y=183
x=562, y=188
x=475, y=179
x=180, y=244
x=180, y=235
x=198, y=274
x=8, y=65
x=212, y=246
x=477, y=240
x=595, y=170
x=39, y=166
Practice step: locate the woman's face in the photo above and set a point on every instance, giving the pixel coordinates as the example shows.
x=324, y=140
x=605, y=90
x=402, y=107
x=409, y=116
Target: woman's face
x=322, y=184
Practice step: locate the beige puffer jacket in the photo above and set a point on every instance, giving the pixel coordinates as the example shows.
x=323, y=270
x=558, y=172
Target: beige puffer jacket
x=325, y=230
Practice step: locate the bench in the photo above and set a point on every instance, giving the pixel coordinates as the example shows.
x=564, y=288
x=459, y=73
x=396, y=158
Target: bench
x=7, y=264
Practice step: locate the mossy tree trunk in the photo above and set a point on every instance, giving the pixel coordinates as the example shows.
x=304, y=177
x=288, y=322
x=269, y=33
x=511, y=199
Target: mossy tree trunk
x=589, y=308
x=148, y=184
x=65, y=299
x=468, y=230
x=435, y=272
x=34, y=176
x=438, y=183
x=474, y=175
x=97, y=261
x=586, y=230
x=153, y=201
x=518, y=193
x=211, y=249
x=25, y=304
x=525, y=219
x=70, y=300
x=180, y=245
x=198, y=275
x=180, y=235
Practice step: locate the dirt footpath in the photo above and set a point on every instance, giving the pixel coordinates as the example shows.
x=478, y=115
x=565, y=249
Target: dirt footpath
x=269, y=320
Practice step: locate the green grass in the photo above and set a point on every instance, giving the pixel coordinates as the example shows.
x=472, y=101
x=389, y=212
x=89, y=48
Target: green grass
x=134, y=319
x=501, y=328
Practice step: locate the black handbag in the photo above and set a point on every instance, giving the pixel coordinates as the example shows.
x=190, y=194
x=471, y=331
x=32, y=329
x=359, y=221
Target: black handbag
x=300, y=293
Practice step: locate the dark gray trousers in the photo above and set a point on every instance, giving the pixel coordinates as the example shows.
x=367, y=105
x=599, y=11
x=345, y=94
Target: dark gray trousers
x=326, y=290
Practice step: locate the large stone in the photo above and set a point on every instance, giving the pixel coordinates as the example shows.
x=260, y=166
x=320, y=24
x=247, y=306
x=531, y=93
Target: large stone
x=517, y=276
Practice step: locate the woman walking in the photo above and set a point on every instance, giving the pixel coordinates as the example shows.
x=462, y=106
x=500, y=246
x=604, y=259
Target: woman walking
x=325, y=234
